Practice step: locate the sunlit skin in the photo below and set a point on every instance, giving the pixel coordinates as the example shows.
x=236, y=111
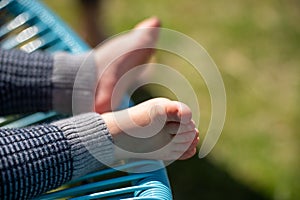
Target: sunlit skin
x=117, y=56
x=175, y=129
x=155, y=124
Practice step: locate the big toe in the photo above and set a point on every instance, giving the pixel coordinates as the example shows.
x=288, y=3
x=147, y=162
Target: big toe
x=175, y=111
x=151, y=22
x=178, y=112
x=147, y=32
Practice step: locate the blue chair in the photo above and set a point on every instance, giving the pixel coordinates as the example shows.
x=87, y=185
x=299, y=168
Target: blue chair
x=29, y=25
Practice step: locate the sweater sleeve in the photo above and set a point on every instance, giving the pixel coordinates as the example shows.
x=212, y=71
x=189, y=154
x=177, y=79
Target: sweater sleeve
x=36, y=159
x=25, y=82
x=42, y=82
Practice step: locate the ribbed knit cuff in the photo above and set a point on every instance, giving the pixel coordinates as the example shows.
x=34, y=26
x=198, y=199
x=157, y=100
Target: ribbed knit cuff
x=91, y=143
x=74, y=82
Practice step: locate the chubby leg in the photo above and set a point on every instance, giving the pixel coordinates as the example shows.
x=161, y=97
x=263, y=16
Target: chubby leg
x=156, y=129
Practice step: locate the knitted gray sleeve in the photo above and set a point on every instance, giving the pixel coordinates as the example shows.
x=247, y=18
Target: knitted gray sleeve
x=39, y=158
x=74, y=81
x=36, y=159
x=90, y=141
x=25, y=82
x=42, y=82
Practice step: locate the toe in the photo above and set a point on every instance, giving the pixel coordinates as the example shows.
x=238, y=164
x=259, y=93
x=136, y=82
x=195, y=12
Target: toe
x=188, y=154
x=185, y=137
x=179, y=112
x=150, y=22
x=177, y=128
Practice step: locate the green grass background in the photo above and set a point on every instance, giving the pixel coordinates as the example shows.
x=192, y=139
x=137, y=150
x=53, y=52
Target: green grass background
x=256, y=45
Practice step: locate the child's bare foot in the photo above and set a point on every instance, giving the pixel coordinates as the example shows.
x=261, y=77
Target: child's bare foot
x=156, y=129
x=118, y=56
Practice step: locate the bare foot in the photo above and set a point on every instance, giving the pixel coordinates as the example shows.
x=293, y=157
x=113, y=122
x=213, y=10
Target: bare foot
x=118, y=56
x=156, y=129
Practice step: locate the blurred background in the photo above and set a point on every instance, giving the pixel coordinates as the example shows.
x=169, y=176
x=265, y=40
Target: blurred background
x=256, y=45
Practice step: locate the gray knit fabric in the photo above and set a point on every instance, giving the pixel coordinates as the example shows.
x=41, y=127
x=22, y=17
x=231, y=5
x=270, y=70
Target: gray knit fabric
x=32, y=161
x=40, y=158
x=25, y=82
x=90, y=142
x=74, y=83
